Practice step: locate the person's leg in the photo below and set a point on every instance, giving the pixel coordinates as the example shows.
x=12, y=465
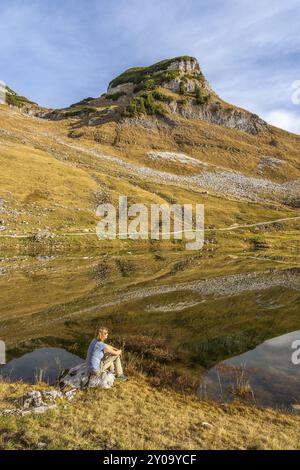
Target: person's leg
x=108, y=362
x=118, y=366
x=113, y=363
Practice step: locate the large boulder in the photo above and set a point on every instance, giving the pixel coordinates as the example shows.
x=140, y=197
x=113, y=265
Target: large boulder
x=78, y=377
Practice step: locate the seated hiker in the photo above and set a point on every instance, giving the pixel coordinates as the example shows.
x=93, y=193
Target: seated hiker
x=101, y=356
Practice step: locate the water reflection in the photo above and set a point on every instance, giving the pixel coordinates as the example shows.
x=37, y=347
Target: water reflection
x=265, y=375
x=197, y=309
x=42, y=364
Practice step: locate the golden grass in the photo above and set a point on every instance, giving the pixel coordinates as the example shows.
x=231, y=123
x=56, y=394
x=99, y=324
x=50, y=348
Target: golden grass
x=42, y=191
x=48, y=184
x=134, y=415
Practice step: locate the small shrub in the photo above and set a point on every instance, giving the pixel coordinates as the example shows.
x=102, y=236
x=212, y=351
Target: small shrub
x=146, y=85
x=115, y=96
x=149, y=84
x=135, y=107
x=200, y=98
x=181, y=87
x=273, y=142
x=144, y=104
x=77, y=112
x=182, y=101
x=16, y=100
x=169, y=75
x=139, y=87
x=149, y=347
x=159, y=96
x=82, y=102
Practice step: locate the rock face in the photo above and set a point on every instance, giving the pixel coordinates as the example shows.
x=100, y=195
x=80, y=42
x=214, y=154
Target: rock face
x=2, y=93
x=184, y=64
x=226, y=116
x=122, y=88
x=191, y=75
x=183, y=76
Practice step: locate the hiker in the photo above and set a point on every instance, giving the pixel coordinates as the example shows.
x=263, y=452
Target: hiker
x=101, y=356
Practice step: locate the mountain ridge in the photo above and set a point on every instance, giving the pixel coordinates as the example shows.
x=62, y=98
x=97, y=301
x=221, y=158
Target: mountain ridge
x=170, y=87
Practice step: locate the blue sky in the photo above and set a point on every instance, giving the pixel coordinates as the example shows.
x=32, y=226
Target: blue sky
x=58, y=52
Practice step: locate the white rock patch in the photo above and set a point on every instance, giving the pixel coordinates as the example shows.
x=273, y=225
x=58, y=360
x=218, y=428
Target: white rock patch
x=173, y=307
x=175, y=157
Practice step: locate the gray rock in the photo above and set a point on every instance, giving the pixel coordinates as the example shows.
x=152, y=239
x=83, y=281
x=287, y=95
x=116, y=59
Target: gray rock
x=42, y=409
x=43, y=235
x=41, y=445
x=296, y=409
x=204, y=424
x=33, y=399
x=78, y=378
x=7, y=412
x=70, y=394
x=52, y=395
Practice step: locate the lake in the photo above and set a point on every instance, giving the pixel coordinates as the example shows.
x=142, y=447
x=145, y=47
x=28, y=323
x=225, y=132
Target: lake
x=227, y=321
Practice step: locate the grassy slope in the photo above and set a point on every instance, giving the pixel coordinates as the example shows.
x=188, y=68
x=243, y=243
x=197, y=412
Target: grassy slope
x=60, y=186
x=134, y=415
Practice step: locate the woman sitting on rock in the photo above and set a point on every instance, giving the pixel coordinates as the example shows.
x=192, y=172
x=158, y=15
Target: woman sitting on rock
x=101, y=356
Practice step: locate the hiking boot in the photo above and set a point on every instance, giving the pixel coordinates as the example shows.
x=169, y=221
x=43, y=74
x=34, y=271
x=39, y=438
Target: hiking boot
x=123, y=377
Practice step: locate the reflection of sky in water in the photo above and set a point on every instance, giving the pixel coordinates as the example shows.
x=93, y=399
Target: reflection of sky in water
x=274, y=379
x=46, y=363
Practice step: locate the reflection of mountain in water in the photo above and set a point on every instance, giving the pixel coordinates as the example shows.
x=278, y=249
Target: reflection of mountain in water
x=42, y=364
x=268, y=369
x=199, y=310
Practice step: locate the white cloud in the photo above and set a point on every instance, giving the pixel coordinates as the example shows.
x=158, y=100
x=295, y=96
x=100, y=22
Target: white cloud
x=284, y=119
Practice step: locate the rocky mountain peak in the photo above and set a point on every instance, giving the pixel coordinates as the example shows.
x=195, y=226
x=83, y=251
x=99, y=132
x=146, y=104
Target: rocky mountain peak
x=176, y=74
x=168, y=90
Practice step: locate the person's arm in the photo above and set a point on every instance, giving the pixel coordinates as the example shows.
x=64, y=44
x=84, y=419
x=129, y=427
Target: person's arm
x=111, y=350
x=115, y=349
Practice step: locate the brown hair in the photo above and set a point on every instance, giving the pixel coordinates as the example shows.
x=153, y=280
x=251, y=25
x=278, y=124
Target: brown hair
x=99, y=330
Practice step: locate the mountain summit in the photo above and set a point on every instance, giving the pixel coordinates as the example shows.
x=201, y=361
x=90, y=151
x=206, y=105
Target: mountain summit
x=168, y=89
x=180, y=75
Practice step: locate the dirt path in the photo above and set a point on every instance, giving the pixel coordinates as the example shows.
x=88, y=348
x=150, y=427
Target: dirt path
x=230, y=228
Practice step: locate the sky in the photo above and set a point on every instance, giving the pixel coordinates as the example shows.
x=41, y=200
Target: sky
x=59, y=52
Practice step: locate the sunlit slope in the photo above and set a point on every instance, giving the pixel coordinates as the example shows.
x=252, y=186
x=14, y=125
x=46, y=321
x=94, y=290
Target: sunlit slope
x=52, y=180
